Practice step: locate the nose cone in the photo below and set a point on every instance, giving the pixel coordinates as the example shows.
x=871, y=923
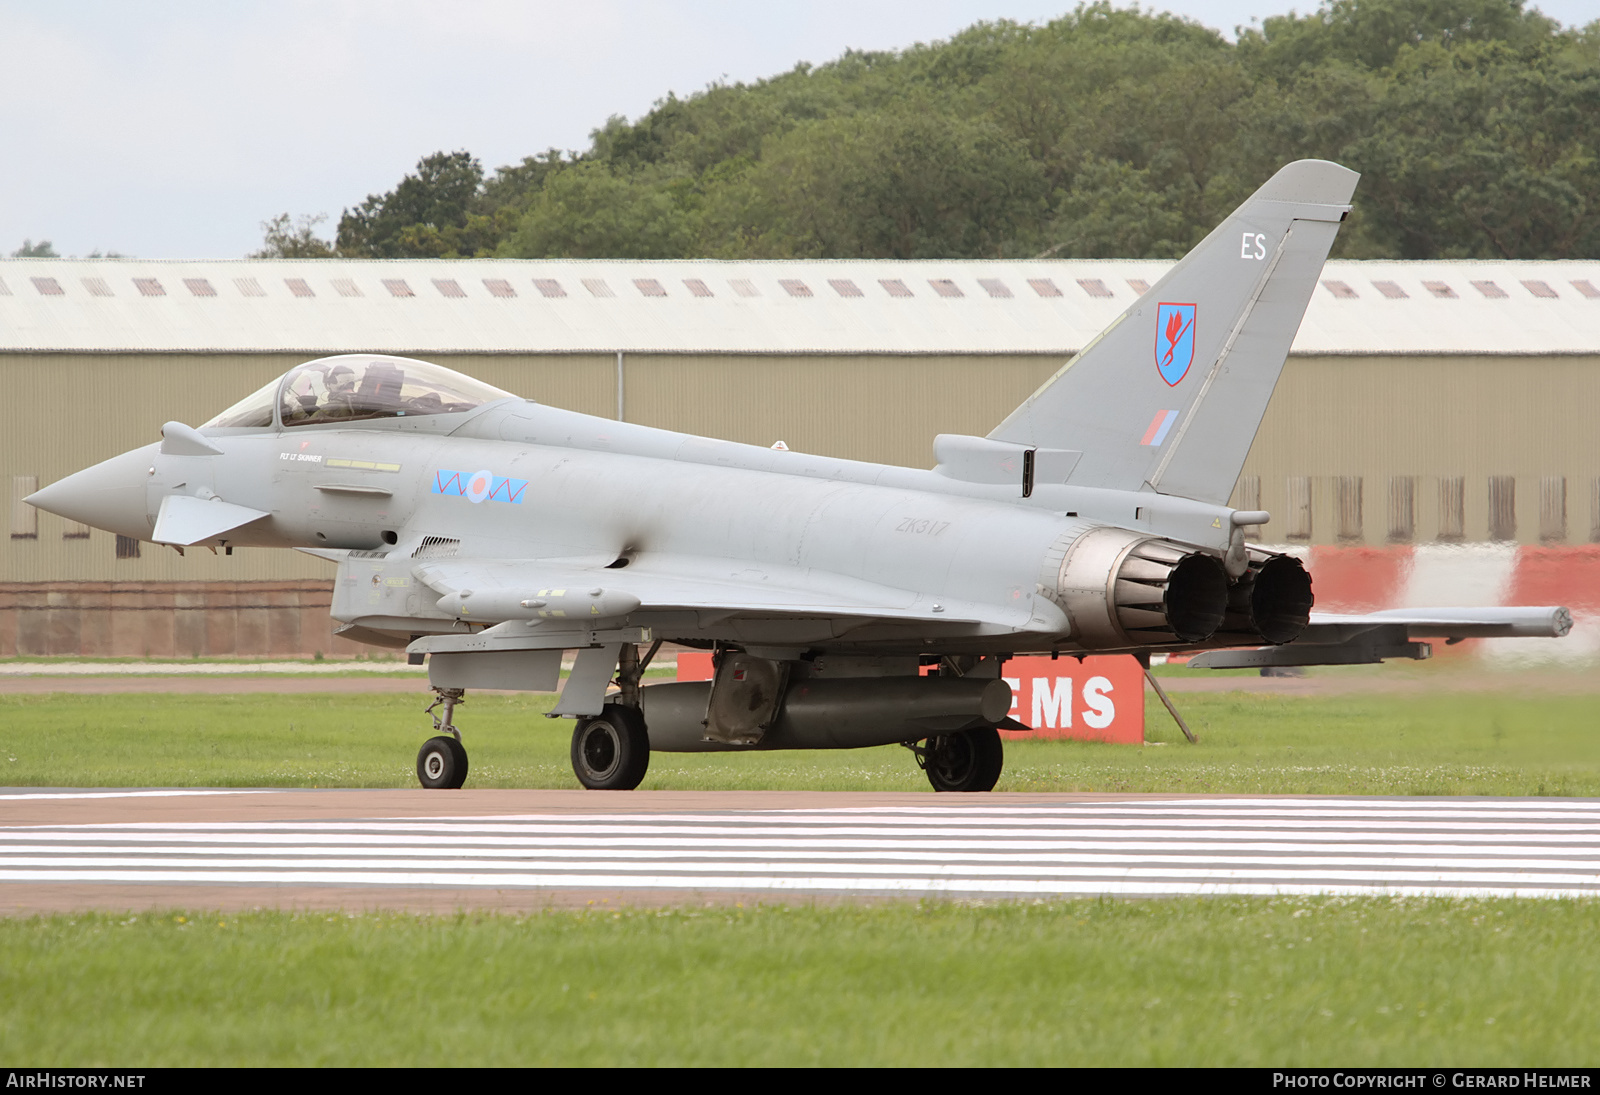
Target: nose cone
x=110, y=495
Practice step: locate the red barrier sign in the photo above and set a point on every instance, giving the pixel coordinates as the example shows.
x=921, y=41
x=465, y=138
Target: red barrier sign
x=1097, y=699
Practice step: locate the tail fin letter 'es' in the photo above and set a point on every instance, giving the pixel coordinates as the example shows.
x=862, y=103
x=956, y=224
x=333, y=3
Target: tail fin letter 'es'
x=1169, y=397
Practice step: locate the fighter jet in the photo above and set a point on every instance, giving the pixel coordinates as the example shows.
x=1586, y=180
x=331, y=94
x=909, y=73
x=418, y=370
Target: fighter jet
x=846, y=604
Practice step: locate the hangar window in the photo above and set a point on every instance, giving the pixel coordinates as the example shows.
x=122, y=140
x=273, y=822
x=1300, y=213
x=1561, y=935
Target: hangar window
x=744, y=287
x=1490, y=290
x=1044, y=287
x=945, y=287
x=845, y=287
x=697, y=287
x=48, y=287
x=199, y=287
x=1339, y=289
x=795, y=287
x=1440, y=290
x=1402, y=509
x=1391, y=290
x=1094, y=287
x=397, y=287
x=24, y=518
x=97, y=287
x=1139, y=285
x=449, y=288
x=149, y=287
x=355, y=387
x=1540, y=289
x=549, y=287
x=995, y=288
x=1502, y=507
x=298, y=287
x=649, y=287
x=249, y=287
x=75, y=530
x=1587, y=288
x=127, y=547
x=1299, y=496
x=345, y=287
x=499, y=287
x=1452, y=508
x=894, y=287
x=597, y=287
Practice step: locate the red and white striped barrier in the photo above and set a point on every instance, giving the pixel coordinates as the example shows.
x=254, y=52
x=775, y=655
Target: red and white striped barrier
x=1368, y=579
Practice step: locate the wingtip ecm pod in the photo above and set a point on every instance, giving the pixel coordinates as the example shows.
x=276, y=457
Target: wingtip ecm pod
x=1169, y=396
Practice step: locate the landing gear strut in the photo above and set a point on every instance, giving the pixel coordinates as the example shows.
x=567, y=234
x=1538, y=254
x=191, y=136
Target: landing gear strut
x=442, y=761
x=969, y=760
x=611, y=750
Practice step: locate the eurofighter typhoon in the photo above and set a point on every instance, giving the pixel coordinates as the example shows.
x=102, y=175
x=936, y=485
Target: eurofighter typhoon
x=847, y=604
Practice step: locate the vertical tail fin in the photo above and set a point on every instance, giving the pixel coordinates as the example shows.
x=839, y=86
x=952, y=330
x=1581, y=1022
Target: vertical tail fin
x=1169, y=397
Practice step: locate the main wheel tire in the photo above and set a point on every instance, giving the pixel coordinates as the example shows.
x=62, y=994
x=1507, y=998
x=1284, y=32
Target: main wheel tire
x=611, y=750
x=442, y=762
x=967, y=761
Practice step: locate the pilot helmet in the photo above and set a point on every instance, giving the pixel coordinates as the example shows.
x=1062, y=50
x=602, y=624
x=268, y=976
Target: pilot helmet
x=341, y=379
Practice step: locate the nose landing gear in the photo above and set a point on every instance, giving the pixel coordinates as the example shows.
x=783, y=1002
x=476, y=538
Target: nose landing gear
x=442, y=762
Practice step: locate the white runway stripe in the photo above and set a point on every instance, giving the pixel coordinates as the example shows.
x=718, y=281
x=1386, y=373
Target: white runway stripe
x=1531, y=847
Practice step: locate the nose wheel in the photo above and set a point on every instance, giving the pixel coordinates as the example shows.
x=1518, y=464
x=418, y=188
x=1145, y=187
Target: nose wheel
x=442, y=761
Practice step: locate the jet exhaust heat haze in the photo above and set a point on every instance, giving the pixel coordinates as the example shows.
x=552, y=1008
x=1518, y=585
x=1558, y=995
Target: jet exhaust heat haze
x=847, y=604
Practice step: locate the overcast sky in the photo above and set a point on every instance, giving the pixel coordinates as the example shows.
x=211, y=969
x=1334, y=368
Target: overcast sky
x=172, y=130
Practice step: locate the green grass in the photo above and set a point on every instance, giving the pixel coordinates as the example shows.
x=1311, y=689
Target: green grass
x=1203, y=981
x=1497, y=743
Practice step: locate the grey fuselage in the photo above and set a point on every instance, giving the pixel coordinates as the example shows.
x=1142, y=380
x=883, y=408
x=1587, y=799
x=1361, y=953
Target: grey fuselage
x=592, y=493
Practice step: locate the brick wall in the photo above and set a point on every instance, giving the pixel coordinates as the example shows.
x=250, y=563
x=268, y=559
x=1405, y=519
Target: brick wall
x=170, y=619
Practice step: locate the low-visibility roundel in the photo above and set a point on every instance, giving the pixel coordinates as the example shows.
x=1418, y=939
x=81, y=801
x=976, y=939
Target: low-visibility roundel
x=479, y=484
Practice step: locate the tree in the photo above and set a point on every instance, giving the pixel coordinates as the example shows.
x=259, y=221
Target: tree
x=439, y=196
x=1371, y=33
x=1104, y=133
x=906, y=183
x=589, y=211
x=1484, y=152
x=31, y=250
x=283, y=239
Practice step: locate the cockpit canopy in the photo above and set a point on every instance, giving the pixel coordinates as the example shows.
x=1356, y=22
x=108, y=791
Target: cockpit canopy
x=356, y=388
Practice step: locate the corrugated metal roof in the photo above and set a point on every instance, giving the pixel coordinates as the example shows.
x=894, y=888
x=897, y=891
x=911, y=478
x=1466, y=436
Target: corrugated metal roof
x=512, y=306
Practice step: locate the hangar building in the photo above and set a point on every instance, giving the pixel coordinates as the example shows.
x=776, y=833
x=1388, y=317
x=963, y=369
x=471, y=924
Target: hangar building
x=1423, y=401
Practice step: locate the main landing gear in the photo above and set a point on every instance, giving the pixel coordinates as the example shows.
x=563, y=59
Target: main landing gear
x=442, y=762
x=969, y=760
x=611, y=750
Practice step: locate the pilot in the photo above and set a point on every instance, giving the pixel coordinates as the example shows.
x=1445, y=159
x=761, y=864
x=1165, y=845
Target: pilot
x=341, y=385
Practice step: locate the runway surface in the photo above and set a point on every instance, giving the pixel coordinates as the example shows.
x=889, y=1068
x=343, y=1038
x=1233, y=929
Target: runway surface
x=76, y=849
